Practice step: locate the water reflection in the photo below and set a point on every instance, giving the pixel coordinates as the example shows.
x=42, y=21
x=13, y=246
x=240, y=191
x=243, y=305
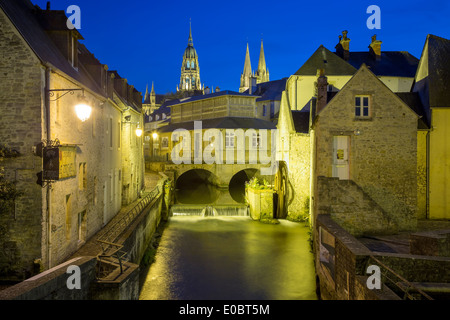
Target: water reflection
x=231, y=258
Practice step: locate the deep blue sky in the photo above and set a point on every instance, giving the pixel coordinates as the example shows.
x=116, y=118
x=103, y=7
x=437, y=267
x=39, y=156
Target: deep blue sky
x=145, y=39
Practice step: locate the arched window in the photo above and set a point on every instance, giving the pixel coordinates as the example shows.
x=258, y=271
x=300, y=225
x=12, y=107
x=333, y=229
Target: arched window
x=187, y=64
x=193, y=65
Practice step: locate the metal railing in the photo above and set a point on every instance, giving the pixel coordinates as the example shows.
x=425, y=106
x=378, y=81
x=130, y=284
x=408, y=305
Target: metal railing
x=112, y=253
x=120, y=225
x=400, y=283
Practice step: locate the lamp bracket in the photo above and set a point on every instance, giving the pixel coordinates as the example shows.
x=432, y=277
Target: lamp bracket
x=67, y=91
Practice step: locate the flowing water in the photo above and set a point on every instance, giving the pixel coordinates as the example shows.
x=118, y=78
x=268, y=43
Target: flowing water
x=202, y=257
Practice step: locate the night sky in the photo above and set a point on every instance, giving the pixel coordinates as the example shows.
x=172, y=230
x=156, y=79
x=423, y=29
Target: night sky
x=145, y=40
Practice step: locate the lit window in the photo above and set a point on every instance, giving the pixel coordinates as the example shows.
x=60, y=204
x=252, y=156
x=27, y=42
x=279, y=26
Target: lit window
x=362, y=106
x=255, y=140
x=187, y=65
x=229, y=139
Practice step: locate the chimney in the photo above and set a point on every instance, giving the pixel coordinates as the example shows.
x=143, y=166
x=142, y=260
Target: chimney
x=322, y=92
x=375, y=48
x=48, y=5
x=207, y=91
x=343, y=47
x=217, y=89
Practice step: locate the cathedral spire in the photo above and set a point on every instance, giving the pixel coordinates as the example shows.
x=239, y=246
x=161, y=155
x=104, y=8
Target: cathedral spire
x=153, y=88
x=262, y=59
x=262, y=74
x=146, y=96
x=247, y=64
x=190, y=42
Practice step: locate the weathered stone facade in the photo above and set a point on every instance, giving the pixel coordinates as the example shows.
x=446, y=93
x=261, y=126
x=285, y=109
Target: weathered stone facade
x=21, y=87
x=382, y=147
x=40, y=87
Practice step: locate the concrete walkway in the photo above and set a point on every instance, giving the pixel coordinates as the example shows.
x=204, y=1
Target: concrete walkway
x=92, y=247
x=400, y=243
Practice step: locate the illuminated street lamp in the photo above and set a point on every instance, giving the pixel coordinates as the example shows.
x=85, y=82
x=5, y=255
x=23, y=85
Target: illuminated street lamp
x=138, y=131
x=155, y=135
x=82, y=109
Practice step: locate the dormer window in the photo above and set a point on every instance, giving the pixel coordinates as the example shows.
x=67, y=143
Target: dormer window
x=362, y=106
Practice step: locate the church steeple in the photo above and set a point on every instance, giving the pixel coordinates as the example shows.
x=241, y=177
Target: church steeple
x=247, y=73
x=153, y=95
x=190, y=70
x=190, y=41
x=262, y=74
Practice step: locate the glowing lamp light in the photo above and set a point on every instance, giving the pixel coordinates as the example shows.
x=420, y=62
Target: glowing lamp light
x=155, y=135
x=139, y=132
x=83, y=111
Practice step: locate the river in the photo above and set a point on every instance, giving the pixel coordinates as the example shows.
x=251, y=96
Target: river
x=231, y=258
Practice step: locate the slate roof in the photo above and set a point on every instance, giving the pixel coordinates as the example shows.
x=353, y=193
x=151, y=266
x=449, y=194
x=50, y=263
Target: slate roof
x=391, y=63
x=222, y=123
x=438, y=71
x=323, y=58
x=412, y=99
x=23, y=15
x=270, y=90
x=32, y=22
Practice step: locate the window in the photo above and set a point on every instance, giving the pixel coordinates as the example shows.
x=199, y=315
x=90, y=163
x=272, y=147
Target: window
x=255, y=140
x=229, y=139
x=187, y=65
x=110, y=132
x=118, y=134
x=81, y=225
x=192, y=64
x=362, y=106
x=82, y=176
x=264, y=110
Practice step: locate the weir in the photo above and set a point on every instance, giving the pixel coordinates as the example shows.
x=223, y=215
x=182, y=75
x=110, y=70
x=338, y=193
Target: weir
x=205, y=210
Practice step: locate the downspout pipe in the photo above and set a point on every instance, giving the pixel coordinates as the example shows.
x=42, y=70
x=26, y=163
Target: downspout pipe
x=48, y=187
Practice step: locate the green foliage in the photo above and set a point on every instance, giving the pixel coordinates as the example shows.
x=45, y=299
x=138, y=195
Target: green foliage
x=254, y=183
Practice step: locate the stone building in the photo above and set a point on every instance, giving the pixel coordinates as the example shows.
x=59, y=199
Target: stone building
x=431, y=85
x=45, y=72
x=299, y=147
x=365, y=141
x=152, y=101
x=365, y=137
x=396, y=69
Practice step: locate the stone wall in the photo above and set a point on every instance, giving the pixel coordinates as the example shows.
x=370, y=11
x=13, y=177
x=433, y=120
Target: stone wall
x=138, y=236
x=21, y=85
x=52, y=284
x=260, y=203
x=382, y=148
x=352, y=208
x=299, y=177
x=343, y=278
x=422, y=174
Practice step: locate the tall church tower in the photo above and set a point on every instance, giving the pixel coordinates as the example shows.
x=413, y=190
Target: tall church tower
x=190, y=70
x=262, y=74
x=246, y=75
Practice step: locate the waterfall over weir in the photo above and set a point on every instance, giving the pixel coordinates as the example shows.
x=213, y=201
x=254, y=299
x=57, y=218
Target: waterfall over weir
x=208, y=210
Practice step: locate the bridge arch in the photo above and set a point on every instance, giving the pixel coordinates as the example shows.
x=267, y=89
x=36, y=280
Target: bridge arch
x=236, y=187
x=196, y=186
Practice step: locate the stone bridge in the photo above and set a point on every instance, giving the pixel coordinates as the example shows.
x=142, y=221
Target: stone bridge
x=222, y=174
